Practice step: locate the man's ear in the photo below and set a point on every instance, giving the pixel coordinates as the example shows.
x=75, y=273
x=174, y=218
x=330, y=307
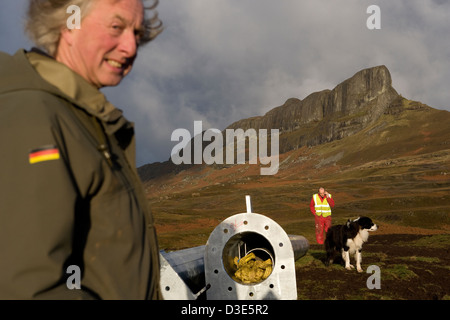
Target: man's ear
x=67, y=36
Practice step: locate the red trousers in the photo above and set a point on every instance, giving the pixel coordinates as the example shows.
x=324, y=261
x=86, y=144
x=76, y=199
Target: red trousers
x=322, y=224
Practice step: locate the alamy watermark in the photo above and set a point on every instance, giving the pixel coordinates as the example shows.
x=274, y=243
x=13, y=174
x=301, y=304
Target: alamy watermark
x=74, y=280
x=74, y=21
x=374, y=20
x=374, y=281
x=216, y=151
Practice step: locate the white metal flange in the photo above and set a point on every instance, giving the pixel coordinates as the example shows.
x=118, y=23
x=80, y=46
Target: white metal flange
x=238, y=235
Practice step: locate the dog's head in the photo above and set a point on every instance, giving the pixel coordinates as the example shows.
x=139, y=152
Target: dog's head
x=366, y=223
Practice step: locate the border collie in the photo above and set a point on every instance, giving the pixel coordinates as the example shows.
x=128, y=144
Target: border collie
x=348, y=239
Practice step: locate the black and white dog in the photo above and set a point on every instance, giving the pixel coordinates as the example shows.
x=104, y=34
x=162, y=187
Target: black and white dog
x=348, y=239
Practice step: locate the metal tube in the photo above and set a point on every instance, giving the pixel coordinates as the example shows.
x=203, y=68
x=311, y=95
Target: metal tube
x=190, y=267
x=299, y=244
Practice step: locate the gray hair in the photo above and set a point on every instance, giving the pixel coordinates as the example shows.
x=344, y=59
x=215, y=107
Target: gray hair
x=46, y=19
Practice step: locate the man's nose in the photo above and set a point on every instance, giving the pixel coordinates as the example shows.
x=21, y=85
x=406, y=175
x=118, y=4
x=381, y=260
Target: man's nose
x=128, y=44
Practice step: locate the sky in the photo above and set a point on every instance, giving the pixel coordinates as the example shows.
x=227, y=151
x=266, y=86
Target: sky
x=219, y=61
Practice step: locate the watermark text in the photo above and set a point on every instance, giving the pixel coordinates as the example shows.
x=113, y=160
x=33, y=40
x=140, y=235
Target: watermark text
x=374, y=20
x=74, y=21
x=74, y=280
x=374, y=281
x=217, y=152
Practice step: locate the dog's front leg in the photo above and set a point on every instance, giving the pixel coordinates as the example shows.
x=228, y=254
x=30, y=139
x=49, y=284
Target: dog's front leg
x=358, y=260
x=346, y=257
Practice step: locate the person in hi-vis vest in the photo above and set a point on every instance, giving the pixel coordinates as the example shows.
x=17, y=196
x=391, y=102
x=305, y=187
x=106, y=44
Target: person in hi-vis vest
x=320, y=206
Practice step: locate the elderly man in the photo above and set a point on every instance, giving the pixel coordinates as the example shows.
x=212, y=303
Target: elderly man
x=74, y=220
x=320, y=206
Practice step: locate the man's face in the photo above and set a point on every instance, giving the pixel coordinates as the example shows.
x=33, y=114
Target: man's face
x=322, y=192
x=104, y=49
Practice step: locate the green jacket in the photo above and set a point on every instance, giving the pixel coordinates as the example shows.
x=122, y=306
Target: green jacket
x=69, y=190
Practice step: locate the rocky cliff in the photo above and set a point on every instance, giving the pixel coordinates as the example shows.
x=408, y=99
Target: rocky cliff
x=329, y=114
x=354, y=108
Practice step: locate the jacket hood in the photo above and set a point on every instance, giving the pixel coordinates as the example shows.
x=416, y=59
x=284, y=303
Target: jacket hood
x=16, y=73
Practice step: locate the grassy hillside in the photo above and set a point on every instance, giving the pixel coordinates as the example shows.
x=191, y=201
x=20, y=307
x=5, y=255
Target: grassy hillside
x=396, y=171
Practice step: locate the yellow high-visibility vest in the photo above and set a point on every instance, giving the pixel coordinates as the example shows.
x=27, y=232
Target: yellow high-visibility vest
x=322, y=208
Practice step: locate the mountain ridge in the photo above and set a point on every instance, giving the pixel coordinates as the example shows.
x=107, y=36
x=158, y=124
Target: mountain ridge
x=322, y=117
x=346, y=98
x=328, y=115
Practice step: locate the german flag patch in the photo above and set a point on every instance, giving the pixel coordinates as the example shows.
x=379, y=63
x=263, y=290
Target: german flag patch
x=44, y=153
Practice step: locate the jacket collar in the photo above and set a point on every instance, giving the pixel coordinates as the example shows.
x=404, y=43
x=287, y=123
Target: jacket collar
x=78, y=89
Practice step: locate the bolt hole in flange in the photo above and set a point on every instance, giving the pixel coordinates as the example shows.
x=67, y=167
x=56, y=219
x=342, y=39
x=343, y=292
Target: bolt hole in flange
x=239, y=246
